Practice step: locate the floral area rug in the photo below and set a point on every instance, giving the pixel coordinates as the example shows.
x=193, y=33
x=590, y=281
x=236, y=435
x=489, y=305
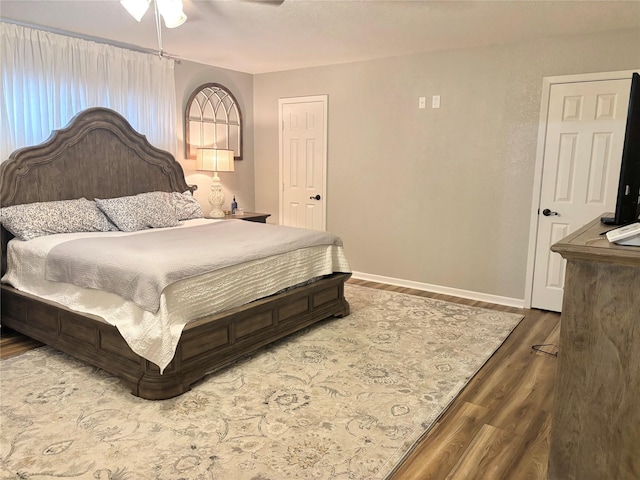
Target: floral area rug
x=345, y=399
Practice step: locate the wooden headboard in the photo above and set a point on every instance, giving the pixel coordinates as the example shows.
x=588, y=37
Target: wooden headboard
x=98, y=155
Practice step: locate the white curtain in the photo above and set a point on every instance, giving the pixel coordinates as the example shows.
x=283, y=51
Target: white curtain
x=48, y=78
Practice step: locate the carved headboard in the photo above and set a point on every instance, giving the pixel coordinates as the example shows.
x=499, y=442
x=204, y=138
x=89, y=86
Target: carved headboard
x=98, y=155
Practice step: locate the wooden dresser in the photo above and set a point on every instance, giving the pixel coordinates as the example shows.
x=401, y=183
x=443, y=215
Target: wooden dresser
x=596, y=423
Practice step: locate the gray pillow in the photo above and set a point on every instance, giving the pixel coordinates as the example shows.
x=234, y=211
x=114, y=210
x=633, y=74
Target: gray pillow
x=187, y=207
x=31, y=220
x=139, y=212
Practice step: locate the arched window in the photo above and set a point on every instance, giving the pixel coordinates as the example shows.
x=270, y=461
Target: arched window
x=213, y=120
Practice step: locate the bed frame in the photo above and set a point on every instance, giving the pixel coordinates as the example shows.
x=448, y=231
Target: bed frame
x=99, y=155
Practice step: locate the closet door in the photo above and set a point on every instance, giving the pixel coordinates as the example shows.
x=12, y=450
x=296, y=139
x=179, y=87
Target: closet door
x=303, y=162
x=582, y=155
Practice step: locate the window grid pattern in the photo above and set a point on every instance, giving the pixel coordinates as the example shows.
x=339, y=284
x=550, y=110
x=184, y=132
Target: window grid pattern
x=213, y=120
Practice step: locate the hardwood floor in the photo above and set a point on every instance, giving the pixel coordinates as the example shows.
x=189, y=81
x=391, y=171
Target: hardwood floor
x=13, y=343
x=499, y=426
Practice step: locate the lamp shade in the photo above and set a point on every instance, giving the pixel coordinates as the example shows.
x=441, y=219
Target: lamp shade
x=214, y=160
x=136, y=8
x=172, y=12
x=174, y=20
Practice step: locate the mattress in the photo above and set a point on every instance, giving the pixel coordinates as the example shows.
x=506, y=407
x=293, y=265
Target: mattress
x=154, y=336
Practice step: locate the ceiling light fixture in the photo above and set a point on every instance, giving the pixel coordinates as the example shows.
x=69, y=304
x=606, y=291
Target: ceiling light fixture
x=171, y=11
x=136, y=8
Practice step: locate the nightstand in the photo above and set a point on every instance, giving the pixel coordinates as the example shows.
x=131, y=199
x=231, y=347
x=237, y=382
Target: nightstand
x=249, y=217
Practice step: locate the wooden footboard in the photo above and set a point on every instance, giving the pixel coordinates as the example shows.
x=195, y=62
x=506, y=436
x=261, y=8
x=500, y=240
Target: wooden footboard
x=205, y=346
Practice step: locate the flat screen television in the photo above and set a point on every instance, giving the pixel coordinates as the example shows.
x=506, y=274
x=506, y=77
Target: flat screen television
x=628, y=199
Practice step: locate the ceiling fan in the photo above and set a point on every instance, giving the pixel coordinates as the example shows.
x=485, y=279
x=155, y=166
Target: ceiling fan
x=171, y=11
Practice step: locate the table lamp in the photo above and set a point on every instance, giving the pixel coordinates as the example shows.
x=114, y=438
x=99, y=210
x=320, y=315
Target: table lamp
x=215, y=160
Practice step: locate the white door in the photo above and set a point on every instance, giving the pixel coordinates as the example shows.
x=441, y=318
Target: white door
x=582, y=154
x=303, y=161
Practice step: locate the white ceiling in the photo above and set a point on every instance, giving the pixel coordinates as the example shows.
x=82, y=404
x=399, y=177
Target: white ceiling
x=257, y=36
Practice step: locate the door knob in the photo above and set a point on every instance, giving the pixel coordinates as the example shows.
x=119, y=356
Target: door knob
x=317, y=197
x=547, y=213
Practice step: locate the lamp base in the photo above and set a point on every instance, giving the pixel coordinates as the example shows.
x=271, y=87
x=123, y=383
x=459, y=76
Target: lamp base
x=216, y=198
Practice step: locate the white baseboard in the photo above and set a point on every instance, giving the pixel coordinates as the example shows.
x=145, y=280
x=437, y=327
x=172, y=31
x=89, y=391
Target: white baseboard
x=426, y=287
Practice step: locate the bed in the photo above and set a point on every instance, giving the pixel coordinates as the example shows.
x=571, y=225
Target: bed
x=100, y=156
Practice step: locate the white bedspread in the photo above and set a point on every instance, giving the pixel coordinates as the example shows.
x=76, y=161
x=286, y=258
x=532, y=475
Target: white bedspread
x=140, y=267
x=155, y=336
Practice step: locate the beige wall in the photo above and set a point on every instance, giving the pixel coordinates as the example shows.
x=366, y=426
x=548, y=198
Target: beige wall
x=189, y=76
x=435, y=196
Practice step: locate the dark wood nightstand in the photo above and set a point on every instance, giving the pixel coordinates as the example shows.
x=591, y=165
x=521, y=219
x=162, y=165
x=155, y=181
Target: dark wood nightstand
x=249, y=217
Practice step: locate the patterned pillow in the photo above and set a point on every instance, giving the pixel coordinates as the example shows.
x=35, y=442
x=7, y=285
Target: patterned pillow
x=139, y=212
x=31, y=220
x=187, y=207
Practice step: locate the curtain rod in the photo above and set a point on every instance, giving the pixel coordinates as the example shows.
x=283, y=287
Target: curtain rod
x=113, y=43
